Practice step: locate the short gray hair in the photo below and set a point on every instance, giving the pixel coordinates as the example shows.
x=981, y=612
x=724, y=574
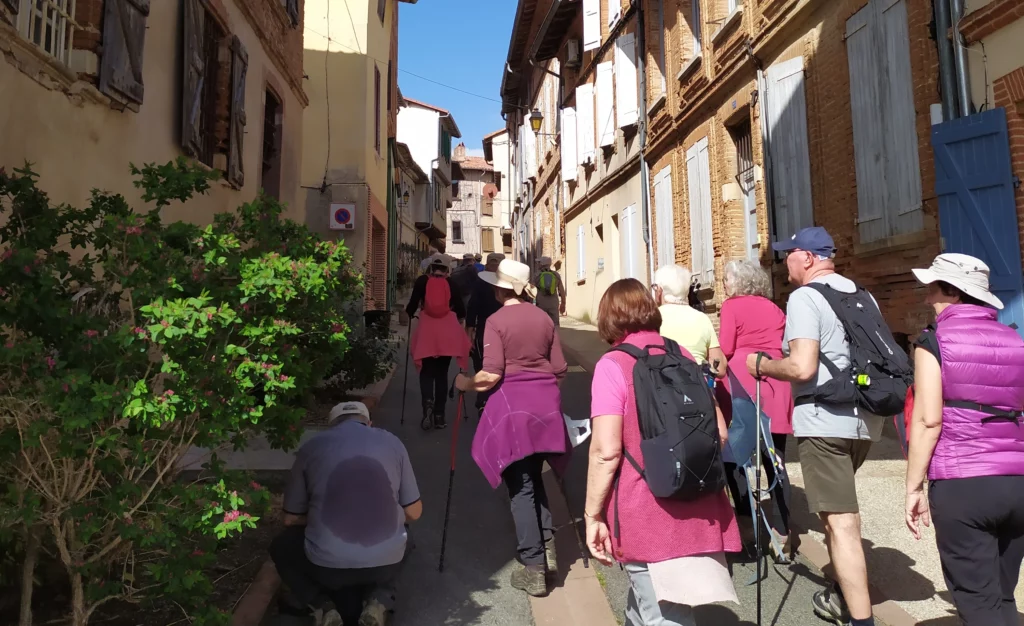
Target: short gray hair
x=747, y=278
x=674, y=281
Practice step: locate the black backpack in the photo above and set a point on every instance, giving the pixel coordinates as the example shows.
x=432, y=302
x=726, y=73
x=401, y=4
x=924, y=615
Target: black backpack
x=679, y=435
x=879, y=373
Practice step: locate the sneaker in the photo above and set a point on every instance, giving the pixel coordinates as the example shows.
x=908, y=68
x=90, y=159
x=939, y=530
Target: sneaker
x=374, y=614
x=531, y=579
x=439, y=421
x=551, y=557
x=829, y=605
x=428, y=408
x=330, y=618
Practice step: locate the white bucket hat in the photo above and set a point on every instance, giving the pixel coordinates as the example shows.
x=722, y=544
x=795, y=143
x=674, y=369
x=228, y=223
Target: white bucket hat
x=511, y=275
x=966, y=273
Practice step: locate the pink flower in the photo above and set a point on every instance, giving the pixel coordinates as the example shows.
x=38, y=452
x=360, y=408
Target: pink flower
x=65, y=388
x=255, y=485
x=9, y=345
x=337, y=328
x=198, y=553
x=165, y=323
x=51, y=363
x=27, y=269
x=91, y=333
x=133, y=230
x=283, y=378
x=8, y=253
x=231, y=516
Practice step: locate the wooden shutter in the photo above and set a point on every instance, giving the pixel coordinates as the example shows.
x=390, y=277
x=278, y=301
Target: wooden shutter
x=569, y=161
x=884, y=135
x=614, y=12
x=293, y=11
x=585, y=123
x=487, y=240
x=791, y=167
x=606, y=103
x=626, y=80
x=581, y=253
x=195, y=74
x=381, y=4
x=488, y=207
x=591, y=24
x=665, y=226
x=530, y=150
x=124, y=35
x=376, y=108
x=698, y=179
x=627, y=232
x=13, y=6
x=236, y=128
x=696, y=26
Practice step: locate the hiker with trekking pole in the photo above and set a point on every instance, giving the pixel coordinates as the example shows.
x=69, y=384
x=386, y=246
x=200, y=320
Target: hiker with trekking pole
x=656, y=500
x=438, y=337
x=848, y=374
x=750, y=323
x=522, y=426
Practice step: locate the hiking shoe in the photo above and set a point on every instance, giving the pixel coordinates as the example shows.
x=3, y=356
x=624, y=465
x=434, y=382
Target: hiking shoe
x=374, y=614
x=428, y=421
x=551, y=557
x=439, y=421
x=531, y=579
x=829, y=605
x=326, y=618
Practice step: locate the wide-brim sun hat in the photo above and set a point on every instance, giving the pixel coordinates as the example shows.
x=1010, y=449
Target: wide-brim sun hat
x=441, y=259
x=511, y=275
x=967, y=273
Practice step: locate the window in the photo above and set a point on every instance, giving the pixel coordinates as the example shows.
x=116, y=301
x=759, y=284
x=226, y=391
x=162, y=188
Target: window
x=381, y=5
x=270, y=170
x=376, y=108
x=696, y=26
x=581, y=253
x=457, y=231
x=204, y=132
x=50, y=25
x=487, y=239
x=745, y=179
x=698, y=179
x=497, y=179
x=884, y=133
x=664, y=219
x=660, y=58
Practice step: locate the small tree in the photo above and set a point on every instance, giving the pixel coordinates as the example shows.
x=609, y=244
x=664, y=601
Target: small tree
x=126, y=342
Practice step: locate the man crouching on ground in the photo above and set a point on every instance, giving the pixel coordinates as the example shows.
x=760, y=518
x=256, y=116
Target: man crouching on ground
x=349, y=497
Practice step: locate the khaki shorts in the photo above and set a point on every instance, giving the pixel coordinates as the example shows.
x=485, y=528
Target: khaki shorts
x=829, y=465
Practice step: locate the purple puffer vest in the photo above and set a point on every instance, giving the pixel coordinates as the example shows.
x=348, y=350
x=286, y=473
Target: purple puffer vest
x=983, y=362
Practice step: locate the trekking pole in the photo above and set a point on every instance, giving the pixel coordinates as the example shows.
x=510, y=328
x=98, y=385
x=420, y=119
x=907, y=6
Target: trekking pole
x=408, y=349
x=584, y=553
x=757, y=479
x=451, y=473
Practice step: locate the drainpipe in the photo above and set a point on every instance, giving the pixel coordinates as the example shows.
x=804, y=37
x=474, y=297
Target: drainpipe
x=963, y=86
x=947, y=69
x=766, y=155
x=645, y=171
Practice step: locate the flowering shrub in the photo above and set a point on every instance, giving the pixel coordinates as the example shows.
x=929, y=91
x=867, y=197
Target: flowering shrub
x=126, y=341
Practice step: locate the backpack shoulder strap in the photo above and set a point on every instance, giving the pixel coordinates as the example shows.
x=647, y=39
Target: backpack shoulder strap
x=671, y=347
x=630, y=349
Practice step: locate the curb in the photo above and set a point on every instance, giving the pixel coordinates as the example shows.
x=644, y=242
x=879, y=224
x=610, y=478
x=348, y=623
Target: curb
x=253, y=605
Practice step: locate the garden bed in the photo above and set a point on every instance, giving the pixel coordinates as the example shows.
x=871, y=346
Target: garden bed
x=237, y=563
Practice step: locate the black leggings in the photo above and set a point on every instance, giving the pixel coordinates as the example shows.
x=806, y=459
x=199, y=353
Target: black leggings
x=434, y=382
x=979, y=529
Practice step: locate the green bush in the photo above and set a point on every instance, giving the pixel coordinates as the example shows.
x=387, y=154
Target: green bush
x=125, y=342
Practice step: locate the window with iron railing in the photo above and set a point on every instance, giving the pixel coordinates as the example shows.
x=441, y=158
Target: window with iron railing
x=49, y=24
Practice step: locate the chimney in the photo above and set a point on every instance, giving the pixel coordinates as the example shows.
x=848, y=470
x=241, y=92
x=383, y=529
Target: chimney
x=460, y=152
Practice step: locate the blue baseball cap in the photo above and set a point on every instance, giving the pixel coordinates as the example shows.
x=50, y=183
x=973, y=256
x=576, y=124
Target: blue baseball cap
x=813, y=239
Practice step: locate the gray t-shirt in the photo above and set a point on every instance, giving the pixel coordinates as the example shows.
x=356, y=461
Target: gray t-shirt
x=808, y=316
x=352, y=482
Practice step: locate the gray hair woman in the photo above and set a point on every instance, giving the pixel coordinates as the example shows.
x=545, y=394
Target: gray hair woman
x=751, y=323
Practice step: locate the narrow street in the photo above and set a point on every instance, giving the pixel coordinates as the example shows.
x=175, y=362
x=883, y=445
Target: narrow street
x=474, y=587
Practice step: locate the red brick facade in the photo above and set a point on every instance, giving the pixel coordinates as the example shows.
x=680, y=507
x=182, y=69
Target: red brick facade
x=1009, y=93
x=708, y=96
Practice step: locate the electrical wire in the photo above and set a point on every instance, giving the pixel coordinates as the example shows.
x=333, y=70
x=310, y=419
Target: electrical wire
x=327, y=90
x=413, y=74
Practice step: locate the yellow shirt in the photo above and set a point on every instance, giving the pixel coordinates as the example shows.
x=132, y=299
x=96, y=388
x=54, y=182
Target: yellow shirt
x=689, y=328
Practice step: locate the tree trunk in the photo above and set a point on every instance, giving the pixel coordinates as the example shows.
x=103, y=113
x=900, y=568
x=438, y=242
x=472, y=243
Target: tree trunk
x=28, y=574
x=79, y=610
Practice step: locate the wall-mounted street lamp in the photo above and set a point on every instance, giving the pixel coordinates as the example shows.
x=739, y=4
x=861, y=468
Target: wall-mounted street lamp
x=405, y=198
x=536, y=120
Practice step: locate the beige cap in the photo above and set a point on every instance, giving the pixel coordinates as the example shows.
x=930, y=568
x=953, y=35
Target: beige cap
x=545, y=261
x=348, y=408
x=495, y=257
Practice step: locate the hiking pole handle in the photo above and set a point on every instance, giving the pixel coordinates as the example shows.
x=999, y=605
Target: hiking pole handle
x=757, y=364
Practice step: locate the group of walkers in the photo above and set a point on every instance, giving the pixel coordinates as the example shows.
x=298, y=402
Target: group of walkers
x=673, y=409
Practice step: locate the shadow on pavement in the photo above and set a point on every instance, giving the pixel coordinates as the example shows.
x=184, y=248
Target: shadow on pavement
x=952, y=619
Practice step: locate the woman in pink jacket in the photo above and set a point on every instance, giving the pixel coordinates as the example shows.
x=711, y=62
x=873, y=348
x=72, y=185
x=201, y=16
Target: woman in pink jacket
x=751, y=323
x=673, y=550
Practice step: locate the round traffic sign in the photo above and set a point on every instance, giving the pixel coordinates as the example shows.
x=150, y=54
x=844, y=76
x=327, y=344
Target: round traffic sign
x=342, y=216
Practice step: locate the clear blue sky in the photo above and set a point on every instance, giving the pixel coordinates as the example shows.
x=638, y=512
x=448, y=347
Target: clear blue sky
x=460, y=43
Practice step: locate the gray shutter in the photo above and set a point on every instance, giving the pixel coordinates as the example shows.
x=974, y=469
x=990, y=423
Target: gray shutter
x=786, y=106
x=124, y=35
x=236, y=128
x=195, y=74
x=664, y=216
x=904, y=214
x=293, y=11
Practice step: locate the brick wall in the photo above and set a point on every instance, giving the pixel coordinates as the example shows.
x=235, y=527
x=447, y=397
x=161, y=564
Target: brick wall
x=716, y=96
x=1009, y=93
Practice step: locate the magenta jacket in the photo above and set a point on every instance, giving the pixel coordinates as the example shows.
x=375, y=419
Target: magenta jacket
x=982, y=361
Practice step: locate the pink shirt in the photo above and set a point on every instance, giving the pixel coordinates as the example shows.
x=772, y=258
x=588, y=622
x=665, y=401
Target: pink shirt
x=522, y=338
x=651, y=530
x=750, y=324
